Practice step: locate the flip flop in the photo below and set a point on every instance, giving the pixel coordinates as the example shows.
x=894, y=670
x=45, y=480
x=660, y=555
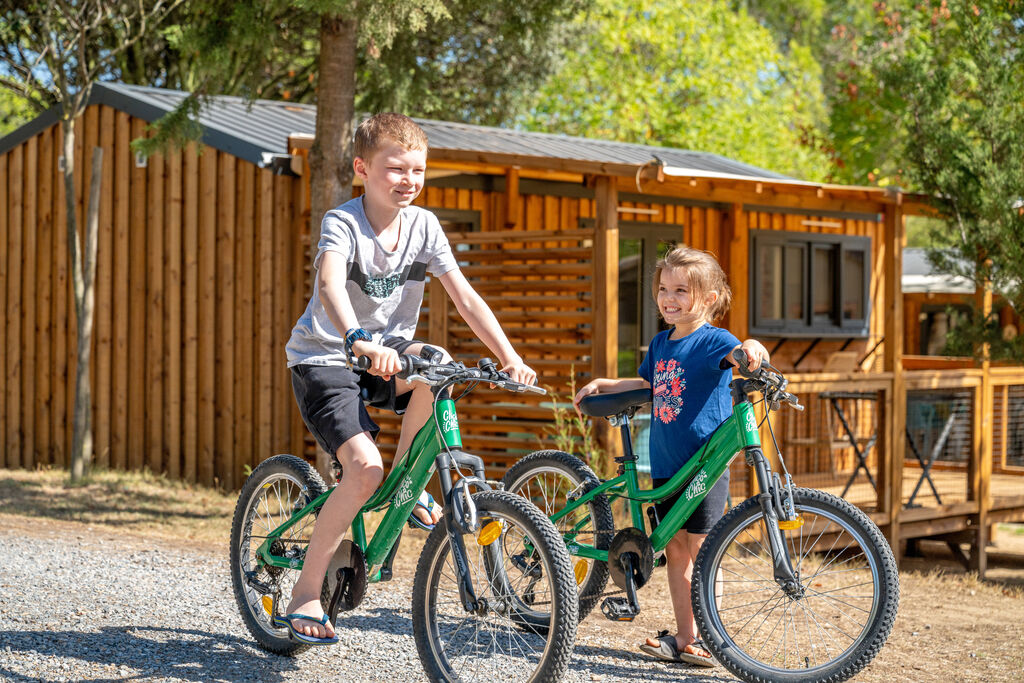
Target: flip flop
x=666, y=648
x=694, y=658
x=428, y=503
x=286, y=622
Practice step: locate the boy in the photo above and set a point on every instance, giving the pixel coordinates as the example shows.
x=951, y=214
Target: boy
x=373, y=254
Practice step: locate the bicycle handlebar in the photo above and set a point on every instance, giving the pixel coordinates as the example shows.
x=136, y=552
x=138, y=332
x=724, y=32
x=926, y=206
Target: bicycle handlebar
x=416, y=369
x=773, y=383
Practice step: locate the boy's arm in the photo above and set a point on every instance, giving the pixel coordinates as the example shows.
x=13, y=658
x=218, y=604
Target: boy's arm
x=331, y=277
x=478, y=315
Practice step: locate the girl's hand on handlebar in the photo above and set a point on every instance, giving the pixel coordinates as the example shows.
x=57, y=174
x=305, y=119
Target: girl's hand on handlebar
x=384, y=360
x=756, y=354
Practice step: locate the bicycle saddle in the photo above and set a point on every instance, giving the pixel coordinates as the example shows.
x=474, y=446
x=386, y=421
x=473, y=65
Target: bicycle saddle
x=606, y=405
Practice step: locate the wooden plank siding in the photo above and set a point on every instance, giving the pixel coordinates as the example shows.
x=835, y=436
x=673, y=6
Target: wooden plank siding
x=197, y=287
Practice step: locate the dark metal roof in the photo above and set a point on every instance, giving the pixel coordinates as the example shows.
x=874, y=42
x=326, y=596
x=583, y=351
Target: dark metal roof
x=258, y=130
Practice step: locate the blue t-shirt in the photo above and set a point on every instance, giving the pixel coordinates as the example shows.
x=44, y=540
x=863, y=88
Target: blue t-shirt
x=691, y=394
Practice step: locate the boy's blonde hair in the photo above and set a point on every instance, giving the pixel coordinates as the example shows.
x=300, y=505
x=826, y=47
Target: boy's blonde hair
x=399, y=128
x=704, y=274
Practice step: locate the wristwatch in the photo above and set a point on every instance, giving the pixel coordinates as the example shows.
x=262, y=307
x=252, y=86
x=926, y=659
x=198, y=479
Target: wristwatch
x=354, y=335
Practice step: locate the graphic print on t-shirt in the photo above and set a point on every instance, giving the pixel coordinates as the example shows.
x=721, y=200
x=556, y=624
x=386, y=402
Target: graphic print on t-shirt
x=669, y=386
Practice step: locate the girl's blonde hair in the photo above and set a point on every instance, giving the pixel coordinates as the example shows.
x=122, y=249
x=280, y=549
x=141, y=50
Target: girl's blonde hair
x=704, y=274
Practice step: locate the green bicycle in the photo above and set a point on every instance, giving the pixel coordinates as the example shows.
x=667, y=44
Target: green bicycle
x=493, y=594
x=792, y=584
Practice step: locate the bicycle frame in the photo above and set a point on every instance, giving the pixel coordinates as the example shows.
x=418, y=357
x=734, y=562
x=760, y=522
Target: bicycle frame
x=402, y=488
x=737, y=433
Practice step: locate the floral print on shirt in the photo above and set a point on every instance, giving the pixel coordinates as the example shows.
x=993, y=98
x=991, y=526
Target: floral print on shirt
x=669, y=385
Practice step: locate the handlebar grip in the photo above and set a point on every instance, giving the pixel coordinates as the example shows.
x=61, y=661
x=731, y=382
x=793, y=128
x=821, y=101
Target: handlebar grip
x=362, y=363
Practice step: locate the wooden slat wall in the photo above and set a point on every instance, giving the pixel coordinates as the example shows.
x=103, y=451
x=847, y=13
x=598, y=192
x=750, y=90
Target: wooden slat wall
x=198, y=284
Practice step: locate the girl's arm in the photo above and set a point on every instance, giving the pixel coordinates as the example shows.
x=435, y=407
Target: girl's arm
x=604, y=385
x=478, y=315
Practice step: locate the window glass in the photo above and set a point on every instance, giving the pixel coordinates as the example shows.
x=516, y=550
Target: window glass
x=770, y=268
x=794, y=279
x=824, y=278
x=630, y=286
x=853, y=285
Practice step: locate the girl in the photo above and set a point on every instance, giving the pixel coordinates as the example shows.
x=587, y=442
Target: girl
x=691, y=398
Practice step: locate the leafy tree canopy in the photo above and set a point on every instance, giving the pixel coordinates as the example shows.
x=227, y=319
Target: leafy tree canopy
x=949, y=76
x=694, y=74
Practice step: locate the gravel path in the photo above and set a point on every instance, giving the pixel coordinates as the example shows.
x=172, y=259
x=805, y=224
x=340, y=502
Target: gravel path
x=80, y=606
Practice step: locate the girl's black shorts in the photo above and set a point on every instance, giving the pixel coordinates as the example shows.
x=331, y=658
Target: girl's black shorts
x=707, y=513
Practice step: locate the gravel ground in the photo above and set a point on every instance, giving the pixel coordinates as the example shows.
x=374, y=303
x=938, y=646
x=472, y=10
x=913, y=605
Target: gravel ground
x=78, y=605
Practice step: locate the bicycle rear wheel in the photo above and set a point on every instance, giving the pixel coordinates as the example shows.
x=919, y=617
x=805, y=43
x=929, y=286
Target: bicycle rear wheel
x=827, y=631
x=550, y=479
x=507, y=636
x=277, y=489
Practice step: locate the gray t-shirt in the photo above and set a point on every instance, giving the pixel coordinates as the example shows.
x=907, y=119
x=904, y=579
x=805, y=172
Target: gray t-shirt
x=385, y=287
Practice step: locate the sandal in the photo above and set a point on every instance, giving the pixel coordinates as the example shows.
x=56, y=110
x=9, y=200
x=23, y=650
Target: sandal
x=665, y=649
x=427, y=502
x=286, y=622
x=694, y=658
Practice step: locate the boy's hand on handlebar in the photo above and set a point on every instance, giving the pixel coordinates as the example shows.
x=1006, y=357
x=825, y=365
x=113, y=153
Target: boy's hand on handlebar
x=520, y=372
x=384, y=360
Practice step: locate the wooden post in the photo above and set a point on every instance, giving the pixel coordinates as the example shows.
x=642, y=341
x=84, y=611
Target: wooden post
x=512, y=217
x=605, y=341
x=894, y=414
x=438, y=314
x=981, y=454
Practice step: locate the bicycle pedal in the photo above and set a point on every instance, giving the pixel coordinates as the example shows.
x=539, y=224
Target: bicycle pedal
x=618, y=609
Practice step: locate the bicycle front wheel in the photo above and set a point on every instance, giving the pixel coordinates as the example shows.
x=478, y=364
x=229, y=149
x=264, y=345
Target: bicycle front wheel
x=523, y=625
x=828, y=629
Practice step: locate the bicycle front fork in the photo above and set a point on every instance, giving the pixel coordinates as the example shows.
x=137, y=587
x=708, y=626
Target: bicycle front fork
x=776, y=502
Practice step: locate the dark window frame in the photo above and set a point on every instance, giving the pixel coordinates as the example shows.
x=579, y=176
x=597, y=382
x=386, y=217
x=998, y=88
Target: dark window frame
x=810, y=325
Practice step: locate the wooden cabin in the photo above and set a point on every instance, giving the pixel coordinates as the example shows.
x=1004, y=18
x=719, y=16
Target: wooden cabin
x=204, y=267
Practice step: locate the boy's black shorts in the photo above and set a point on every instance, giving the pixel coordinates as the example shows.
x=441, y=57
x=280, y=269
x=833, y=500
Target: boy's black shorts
x=707, y=513
x=331, y=399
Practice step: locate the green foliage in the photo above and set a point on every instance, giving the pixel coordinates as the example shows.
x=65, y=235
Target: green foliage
x=969, y=331
x=14, y=111
x=571, y=433
x=477, y=64
x=950, y=78
x=693, y=74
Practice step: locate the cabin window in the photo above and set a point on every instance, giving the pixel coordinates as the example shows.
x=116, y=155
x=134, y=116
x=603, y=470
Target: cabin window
x=640, y=247
x=808, y=284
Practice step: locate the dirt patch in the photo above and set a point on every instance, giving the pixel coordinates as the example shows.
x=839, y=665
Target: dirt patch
x=951, y=625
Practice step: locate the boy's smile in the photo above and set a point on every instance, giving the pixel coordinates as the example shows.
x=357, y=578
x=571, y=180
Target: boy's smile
x=393, y=177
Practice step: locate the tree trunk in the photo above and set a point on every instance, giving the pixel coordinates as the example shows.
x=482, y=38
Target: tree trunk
x=83, y=273
x=330, y=158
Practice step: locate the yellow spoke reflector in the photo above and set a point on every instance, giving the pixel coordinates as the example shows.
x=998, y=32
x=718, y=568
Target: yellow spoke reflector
x=268, y=604
x=791, y=523
x=489, y=534
x=580, y=570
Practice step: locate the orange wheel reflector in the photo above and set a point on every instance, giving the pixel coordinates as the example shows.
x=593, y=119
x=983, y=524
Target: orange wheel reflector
x=489, y=534
x=267, y=603
x=791, y=523
x=580, y=570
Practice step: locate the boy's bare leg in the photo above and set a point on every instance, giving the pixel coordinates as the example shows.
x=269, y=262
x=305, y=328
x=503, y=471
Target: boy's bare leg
x=363, y=472
x=421, y=405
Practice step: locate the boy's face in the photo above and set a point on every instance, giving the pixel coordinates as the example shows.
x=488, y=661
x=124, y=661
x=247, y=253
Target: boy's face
x=393, y=175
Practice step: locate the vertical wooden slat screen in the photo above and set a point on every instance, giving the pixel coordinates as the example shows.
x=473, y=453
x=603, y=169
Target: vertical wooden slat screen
x=199, y=279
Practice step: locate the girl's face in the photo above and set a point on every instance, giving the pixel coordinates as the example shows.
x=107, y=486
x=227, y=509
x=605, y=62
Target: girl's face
x=678, y=305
